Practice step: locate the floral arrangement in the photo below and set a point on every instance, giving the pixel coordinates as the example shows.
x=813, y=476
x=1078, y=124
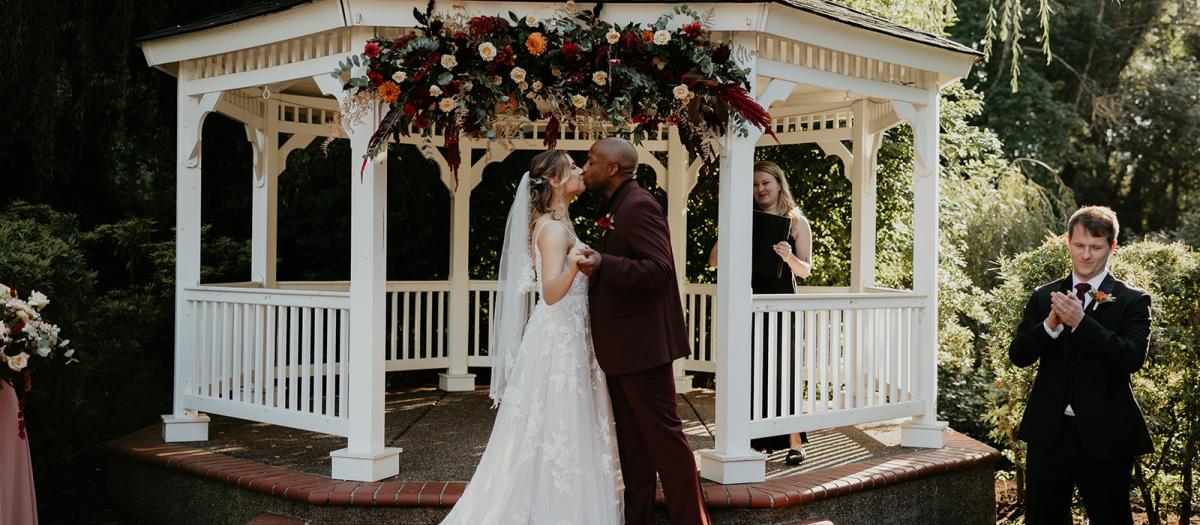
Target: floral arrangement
x=27, y=341
x=488, y=76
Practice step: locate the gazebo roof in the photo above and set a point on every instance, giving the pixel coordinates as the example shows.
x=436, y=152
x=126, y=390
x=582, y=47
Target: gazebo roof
x=823, y=8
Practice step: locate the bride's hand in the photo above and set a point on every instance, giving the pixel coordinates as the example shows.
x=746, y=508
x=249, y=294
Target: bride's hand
x=573, y=259
x=784, y=250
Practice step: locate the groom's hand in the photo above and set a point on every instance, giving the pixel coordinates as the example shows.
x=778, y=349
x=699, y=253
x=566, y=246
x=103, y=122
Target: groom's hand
x=590, y=262
x=1068, y=308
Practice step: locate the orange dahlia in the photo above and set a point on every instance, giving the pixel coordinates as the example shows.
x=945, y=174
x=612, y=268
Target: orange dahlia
x=536, y=44
x=389, y=92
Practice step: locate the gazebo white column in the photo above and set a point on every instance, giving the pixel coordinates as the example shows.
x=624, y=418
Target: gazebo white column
x=456, y=378
x=181, y=424
x=365, y=457
x=861, y=171
x=732, y=460
x=265, y=197
x=679, y=186
x=925, y=430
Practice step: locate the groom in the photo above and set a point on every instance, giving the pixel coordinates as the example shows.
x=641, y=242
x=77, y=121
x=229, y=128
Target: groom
x=638, y=330
x=1088, y=332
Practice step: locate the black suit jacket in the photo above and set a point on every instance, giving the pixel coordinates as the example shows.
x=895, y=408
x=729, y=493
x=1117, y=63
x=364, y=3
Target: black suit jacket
x=1088, y=369
x=636, y=314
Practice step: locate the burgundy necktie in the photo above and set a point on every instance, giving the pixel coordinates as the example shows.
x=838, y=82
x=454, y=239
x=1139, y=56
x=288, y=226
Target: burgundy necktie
x=1081, y=291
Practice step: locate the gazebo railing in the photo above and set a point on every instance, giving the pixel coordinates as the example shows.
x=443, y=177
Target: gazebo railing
x=831, y=359
x=417, y=328
x=275, y=356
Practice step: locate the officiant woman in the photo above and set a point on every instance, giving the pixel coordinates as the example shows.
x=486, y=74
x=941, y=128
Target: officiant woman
x=772, y=195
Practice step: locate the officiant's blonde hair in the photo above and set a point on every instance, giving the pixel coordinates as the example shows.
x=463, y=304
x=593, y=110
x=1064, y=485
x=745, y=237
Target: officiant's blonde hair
x=784, y=203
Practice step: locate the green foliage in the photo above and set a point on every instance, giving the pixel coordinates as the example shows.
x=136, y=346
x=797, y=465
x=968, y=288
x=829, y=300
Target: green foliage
x=1167, y=385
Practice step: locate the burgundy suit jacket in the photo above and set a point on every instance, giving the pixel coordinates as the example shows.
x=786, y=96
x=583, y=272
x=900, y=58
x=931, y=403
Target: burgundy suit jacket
x=636, y=314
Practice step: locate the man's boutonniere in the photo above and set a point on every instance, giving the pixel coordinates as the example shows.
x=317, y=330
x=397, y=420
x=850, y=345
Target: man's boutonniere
x=1100, y=297
x=605, y=222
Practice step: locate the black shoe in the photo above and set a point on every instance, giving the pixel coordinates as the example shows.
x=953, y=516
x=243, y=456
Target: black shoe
x=794, y=457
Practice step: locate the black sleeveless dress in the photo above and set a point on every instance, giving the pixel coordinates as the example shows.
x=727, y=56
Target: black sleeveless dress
x=761, y=284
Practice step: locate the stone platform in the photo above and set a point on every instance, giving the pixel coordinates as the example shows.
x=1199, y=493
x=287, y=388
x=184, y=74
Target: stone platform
x=856, y=474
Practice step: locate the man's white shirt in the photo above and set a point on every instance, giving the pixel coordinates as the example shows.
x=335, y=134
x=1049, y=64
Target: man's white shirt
x=1087, y=301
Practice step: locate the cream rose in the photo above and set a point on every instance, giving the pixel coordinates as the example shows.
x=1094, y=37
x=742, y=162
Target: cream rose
x=537, y=85
x=399, y=77
x=38, y=300
x=517, y=74
x=18, y=362
x=681, y=92
x=447, y=105
x=435, y=91
x=523, y=86
x=612, y=36
x=487, y=51
x=579, y=101
x=531, y=21
x=449, y=61
x=600, y=78
x=662, y=37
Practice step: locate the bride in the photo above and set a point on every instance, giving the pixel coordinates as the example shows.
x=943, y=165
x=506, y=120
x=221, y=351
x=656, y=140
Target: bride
x=552, y=457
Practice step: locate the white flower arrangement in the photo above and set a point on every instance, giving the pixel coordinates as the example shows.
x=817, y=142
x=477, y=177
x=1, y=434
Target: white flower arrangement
x=25, y=336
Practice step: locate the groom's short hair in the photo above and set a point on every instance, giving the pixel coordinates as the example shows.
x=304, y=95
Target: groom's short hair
x=1099, y=221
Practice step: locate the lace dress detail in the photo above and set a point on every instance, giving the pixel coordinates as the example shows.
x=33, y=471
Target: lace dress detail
x=552, y=456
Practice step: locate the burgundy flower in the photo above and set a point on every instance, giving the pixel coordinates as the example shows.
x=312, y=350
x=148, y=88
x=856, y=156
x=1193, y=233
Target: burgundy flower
x=375, y=78
x=570, y=50
x=631, y=41
x=488, y=25
x=505, y=56
x=372, y=49
x=721, y=54
x=410, y=110
x=693, y=29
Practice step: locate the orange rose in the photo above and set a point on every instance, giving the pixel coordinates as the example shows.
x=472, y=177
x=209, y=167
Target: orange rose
x=647, y=37
x=389, y=92
x=536, y=44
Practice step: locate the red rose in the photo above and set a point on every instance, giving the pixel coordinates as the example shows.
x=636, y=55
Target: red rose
x=410, y=110
x=693, y=29
x=605, y=222
x=16, y=328
x=570, y=50
x=375, y=78
x=371, y=49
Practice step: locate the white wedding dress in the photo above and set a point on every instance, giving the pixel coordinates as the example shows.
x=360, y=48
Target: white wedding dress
x=552, y=457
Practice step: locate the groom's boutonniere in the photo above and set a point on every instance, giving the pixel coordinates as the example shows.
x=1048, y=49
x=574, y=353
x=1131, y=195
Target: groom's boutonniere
x=606, y=222
x=1100, y=297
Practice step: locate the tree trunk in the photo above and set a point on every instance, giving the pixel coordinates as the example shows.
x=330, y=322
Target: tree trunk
x=1189, y=461
x=1144, y=488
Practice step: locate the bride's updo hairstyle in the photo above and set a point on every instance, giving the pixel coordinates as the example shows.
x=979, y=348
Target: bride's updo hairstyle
x=545, y=166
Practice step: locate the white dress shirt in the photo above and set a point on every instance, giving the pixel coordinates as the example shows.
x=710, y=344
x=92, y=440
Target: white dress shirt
x=1087, y=301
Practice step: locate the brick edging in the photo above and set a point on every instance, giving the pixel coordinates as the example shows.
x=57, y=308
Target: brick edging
x=960, y=452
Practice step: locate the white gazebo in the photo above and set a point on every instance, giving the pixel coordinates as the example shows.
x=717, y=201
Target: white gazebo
x=313, y=355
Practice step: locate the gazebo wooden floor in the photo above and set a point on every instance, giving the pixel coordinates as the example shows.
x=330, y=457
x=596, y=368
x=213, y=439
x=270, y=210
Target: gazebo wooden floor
x=855, y=474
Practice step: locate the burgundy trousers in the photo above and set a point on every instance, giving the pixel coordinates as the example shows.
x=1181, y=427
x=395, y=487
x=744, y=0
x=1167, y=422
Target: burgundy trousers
x=650, y=438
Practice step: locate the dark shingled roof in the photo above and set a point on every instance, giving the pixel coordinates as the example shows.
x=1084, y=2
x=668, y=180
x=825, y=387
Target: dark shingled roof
x=823, y=8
